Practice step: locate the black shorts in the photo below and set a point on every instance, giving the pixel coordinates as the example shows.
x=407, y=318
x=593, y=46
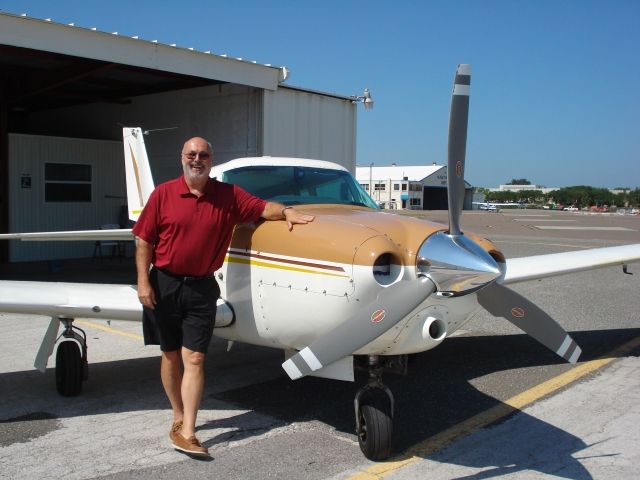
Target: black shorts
x=184, y=315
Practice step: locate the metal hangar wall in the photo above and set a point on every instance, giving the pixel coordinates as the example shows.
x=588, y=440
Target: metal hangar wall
x=66, y=92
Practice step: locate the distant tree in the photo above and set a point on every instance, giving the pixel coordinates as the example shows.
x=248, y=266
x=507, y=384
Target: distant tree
x=502, y=196
x=519, y=181
x=583, y=196
x=530, y=196
x=634, y=197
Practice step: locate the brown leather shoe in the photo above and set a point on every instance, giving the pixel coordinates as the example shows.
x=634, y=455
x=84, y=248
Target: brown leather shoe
x=189, y=445
x=176, y=428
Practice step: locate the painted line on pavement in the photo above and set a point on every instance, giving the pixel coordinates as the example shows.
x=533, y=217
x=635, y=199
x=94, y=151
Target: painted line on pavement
x=446, y=437
x=610, y=229
x=104, y=328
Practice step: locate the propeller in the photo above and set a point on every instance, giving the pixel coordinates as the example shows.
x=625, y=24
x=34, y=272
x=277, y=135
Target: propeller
x=501, y=301
x=458, y=121
x=391, y=305
x=454, y=262
x=458, y=265
x=447, y=262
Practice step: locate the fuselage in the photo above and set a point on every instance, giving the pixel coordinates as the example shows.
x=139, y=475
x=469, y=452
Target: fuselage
x=287, y=288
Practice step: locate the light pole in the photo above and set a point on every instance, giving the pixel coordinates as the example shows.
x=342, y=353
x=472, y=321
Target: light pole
x=371, y=180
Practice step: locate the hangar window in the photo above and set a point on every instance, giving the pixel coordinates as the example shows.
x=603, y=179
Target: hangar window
x=416, y=201
x=379, y=186
x=404, y=187
x=396, y=186
x=67, y=182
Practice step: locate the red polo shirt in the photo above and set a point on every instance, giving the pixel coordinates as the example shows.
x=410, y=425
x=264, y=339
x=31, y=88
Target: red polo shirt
x=191, y=234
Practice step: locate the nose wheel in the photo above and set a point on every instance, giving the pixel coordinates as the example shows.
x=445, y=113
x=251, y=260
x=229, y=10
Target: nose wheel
x=374, y=416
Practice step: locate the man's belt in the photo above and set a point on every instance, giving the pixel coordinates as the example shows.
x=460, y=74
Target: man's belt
x=187, y=278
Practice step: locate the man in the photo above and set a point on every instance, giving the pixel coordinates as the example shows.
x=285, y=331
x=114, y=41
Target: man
x=184, y=231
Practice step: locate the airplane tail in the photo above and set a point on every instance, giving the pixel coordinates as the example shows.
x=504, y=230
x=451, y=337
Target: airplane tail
x=138, y=172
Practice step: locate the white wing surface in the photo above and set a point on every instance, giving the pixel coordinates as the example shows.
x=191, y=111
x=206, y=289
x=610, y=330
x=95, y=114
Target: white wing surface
x=74, y=300
x=542, y=266
x=70, y=235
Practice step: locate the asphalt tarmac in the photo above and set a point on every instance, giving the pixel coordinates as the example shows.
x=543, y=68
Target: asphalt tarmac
x=489, y=402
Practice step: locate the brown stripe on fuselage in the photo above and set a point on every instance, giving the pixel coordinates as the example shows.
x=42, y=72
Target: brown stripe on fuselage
x=283, y=260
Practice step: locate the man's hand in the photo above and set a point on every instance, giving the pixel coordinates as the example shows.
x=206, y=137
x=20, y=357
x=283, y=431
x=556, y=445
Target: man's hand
x=146, y=294
x=293, y=217
x=144, y=251
x=277, y=211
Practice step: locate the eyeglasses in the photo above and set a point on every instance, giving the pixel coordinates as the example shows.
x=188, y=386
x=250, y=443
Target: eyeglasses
x=194, y=155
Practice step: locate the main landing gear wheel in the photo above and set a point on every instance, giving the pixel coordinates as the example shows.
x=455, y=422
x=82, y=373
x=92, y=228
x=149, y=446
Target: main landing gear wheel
x=68, y=369
x=375, y=424
x=71, y=360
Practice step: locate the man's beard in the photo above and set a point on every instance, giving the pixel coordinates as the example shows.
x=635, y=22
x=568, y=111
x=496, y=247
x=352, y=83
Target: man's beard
x=195, y=174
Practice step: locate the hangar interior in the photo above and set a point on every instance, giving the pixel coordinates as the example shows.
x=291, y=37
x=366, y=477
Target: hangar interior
x=66, y=92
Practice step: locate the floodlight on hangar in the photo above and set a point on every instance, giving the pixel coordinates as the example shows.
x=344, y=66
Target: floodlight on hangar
x=365, y=98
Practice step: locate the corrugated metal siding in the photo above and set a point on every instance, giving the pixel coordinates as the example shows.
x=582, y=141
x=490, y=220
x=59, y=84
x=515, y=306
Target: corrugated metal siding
x=28, y=210
x=226, y=115
x=303, y=124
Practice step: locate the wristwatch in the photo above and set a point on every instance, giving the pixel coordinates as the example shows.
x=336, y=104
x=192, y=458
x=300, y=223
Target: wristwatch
x=283, y=209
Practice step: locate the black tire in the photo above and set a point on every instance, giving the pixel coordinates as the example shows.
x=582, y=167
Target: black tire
x=376, y=426
x=69, y=370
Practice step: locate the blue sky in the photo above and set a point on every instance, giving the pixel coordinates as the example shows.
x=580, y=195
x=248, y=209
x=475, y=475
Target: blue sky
x=554, y=94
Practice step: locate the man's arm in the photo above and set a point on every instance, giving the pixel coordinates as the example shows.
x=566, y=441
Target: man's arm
x=277, y=211
x=144, y=252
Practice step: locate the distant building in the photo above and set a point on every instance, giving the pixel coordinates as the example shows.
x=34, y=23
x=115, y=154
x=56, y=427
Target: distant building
x=519, y=188
x=398, y=187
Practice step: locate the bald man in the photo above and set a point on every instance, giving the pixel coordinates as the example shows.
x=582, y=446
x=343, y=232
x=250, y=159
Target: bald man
x=182, y=237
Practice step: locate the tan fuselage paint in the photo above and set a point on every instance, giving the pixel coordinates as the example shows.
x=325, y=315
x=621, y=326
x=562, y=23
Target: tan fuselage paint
x=337, y=233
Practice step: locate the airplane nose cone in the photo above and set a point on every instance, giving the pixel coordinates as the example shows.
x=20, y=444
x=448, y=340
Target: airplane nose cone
x=456, y=264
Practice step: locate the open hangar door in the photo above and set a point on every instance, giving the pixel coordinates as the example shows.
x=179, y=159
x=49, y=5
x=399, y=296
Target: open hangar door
x=77, y=111
x=59, y=80
x=435, y=198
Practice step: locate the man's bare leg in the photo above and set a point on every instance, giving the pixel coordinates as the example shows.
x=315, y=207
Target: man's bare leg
x=171, y=374
x=192, y=388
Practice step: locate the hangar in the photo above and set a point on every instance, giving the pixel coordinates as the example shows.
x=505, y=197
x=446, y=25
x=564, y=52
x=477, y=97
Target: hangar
x=416, y=187
x=66, y=92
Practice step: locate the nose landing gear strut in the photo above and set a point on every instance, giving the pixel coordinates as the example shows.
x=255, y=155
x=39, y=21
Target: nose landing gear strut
x=374, y=406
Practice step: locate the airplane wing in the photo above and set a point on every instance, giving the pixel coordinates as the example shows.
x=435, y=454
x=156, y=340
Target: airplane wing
x=542, y=266
x=70, y=235
x=72, y=300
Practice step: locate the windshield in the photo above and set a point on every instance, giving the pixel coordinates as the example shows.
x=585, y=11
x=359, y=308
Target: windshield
x=300, y=185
